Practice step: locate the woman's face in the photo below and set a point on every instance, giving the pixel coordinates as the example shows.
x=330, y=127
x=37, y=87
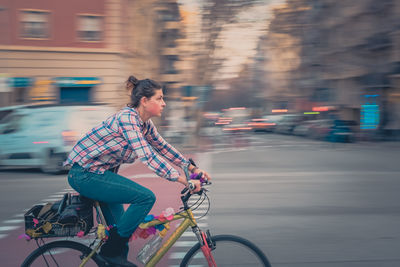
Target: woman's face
x=155, y=104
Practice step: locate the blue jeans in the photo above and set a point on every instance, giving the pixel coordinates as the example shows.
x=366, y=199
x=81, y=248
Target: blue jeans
x=113, y=190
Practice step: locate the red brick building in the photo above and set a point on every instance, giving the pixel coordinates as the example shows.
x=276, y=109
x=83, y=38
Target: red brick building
x=62, y=51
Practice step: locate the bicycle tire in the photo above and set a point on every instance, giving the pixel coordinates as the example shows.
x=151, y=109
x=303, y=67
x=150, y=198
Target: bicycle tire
x=81, y=249
x=230, y=239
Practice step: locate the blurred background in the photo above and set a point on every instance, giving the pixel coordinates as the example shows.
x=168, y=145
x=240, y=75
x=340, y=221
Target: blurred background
x=283, y=88
x=326, y=70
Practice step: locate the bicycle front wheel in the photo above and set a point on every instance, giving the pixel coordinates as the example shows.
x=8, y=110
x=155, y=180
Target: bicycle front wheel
x=61, y=254
x=229, y=251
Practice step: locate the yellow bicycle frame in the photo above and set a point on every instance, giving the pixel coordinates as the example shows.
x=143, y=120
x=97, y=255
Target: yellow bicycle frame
x=188, y=221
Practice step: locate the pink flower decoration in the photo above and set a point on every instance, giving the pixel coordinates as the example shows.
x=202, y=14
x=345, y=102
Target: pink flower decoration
x=133, y=237
x=25, y=236
x=170, y=217
x=162, y=218
x=151, y=230
x=143, y=233
x=35, y=222
x=168, y=212
x=80, y=234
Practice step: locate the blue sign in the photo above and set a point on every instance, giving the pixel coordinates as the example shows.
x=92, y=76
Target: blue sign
x=21, y=82
x=77, y=81
x=369, y=116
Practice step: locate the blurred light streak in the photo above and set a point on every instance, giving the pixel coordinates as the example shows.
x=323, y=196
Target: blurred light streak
x=279, y=110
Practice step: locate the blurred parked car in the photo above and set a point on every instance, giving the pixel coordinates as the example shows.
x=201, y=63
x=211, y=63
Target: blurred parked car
x=302, y=129
x=319, y=129
x=235, y=120
x=331, y=130
x=42, y=136
x=342, y=131
x=287, y=123
x=265, y=123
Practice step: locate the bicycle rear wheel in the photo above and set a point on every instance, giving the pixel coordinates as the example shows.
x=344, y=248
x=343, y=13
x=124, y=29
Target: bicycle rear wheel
x=229, y=251
x=61, y=253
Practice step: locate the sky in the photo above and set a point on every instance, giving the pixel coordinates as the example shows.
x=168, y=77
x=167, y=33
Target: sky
x=238, y=41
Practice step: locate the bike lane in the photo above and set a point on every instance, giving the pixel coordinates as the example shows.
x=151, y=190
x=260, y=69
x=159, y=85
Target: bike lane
x=14, y=249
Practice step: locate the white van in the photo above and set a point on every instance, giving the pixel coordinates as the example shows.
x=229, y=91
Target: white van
x=42, y=136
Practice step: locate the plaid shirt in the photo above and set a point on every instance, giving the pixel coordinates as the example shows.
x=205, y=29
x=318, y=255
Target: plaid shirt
x=123, y=138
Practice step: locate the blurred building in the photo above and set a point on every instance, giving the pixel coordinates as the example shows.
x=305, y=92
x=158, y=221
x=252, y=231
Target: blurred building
x=338, y=54
x=64, y=51
x=83, y=51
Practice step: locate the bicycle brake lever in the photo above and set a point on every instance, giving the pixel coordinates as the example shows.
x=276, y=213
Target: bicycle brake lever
x=184, y=190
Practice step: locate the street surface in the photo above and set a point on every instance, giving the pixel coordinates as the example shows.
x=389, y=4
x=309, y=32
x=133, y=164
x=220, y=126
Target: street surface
x=303, y=202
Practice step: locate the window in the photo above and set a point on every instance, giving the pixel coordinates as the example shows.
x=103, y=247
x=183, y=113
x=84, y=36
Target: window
x=90, y=27
x=168, y=64
x=35, y=24
x=11, y=123
x=169, y=37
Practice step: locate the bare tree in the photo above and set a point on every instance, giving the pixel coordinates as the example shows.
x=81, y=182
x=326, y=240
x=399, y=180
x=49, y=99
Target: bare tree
x=215, y=14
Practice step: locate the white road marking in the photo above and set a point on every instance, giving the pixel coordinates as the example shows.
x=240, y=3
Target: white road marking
x=66, y=190
x=50, y=199
x=203, y=218
x=200, y=209
x=187, y=233
x=8, y=228
x=57, y=196
x=2, y=236
x=184, y=243
x=180, y=255
x=13, y=221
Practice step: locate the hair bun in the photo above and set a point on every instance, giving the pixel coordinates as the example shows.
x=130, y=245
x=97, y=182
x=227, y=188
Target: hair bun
x=131, y=82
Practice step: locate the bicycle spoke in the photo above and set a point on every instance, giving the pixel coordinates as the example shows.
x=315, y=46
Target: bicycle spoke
x=51, y=256
x=59, y=254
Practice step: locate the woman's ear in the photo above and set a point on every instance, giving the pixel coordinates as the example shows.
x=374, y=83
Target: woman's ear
x=143, y=101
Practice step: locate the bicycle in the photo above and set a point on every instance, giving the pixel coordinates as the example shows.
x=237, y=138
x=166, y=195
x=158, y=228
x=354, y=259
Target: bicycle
x=212, y=251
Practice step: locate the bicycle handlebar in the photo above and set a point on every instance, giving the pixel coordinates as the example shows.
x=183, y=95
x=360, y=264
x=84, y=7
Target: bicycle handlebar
x=194, y=176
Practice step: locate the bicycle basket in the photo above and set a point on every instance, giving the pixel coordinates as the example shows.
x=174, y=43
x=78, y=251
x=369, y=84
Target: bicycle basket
x=68, y=217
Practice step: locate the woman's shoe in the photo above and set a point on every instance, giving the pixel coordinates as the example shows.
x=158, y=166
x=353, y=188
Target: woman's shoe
x=113, y=249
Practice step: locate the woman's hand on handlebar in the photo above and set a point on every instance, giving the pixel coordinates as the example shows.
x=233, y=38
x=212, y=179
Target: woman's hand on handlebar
x=196, y=183
x=204, y=174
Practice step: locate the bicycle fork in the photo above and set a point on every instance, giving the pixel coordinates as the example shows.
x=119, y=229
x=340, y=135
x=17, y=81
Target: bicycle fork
x=206, y=245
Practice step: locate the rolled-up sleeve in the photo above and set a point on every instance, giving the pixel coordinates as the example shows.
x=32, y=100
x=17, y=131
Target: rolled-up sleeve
x=130, y=129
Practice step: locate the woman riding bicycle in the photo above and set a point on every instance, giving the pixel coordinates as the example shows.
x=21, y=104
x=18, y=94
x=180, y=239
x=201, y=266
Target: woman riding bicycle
x=122, y=138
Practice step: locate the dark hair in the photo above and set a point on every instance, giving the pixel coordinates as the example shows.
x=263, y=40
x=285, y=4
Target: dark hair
x=141, y=88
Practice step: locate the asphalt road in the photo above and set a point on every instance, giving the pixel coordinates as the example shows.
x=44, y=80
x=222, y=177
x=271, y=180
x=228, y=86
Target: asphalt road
x=304, y=203
x=309, y=203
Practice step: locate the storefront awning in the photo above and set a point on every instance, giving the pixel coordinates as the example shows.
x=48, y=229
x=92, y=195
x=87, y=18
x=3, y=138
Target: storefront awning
x=77, y=81
x=21, y=81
